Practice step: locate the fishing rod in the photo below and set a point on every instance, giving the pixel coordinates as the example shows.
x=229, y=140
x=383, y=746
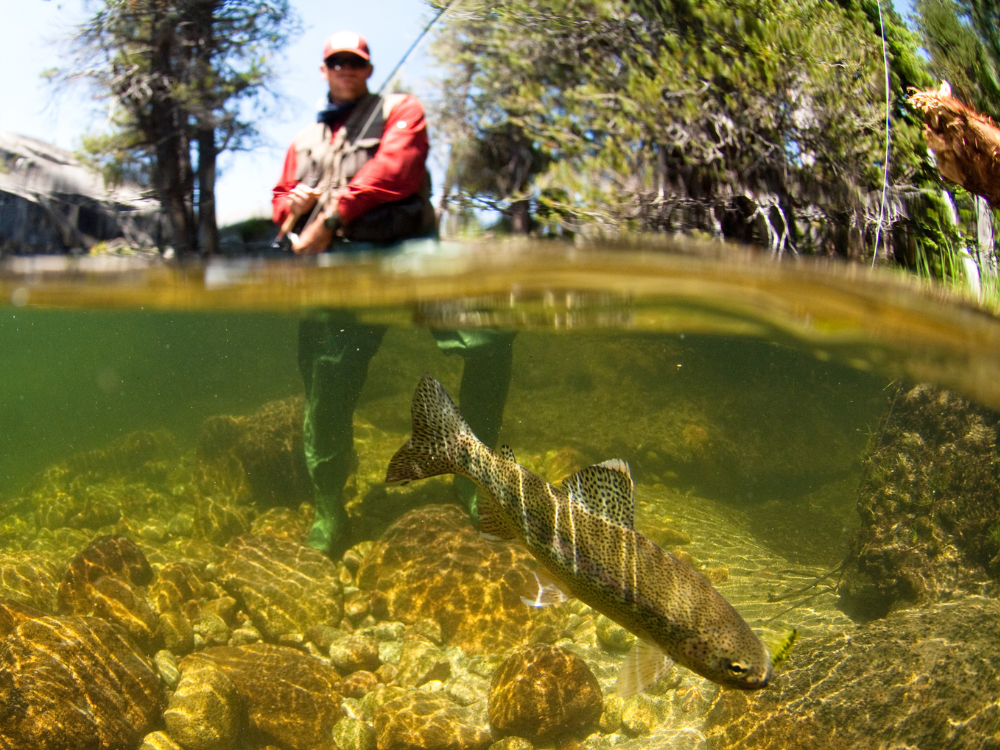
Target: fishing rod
x=286, y=238
x=444, y=9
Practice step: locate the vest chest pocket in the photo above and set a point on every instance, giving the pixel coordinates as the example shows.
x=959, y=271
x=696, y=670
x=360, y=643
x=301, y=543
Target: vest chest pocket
x=355, y=157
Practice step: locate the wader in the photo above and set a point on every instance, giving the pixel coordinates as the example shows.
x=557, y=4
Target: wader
x=334, y=349
x=334, y=352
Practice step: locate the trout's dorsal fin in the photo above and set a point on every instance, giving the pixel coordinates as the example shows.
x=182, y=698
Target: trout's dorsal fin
x=644, y=665
x=606, y=490
x=507, y=453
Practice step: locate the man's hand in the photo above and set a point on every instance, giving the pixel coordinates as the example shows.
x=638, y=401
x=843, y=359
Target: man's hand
x=315, y=238
x=302, y=199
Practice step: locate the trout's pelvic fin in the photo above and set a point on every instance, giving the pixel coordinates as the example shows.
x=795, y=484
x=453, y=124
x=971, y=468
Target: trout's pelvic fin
x=606, y=490
x=543, y=590
x=643, y=666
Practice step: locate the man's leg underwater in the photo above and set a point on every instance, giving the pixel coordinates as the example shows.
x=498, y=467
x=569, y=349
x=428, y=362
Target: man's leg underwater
x=334, y=352
x=488, y=361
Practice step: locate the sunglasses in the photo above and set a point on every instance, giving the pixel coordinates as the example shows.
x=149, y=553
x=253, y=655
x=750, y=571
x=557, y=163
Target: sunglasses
x=338, y=62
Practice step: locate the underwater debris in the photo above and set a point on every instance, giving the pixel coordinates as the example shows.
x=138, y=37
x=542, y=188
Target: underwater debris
x=785, y=645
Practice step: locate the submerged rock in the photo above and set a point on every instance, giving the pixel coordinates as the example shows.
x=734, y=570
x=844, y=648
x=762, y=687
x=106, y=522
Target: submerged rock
x=117, y=484
x=205, y=711
x=50, y=667
x=432, y=564
x=929, y=503
x=107, y=580
x=268, y=447
x=918, y=678
x=285, y=587
x=291, y=700
x=354, y=734
x=29, y=579
x=542, y=692
x=418, y=721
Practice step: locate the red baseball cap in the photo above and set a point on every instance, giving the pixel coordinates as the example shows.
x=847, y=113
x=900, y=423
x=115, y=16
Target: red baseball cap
x=346, y=41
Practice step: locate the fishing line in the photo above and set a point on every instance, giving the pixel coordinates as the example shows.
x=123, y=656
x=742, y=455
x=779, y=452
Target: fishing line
x=885, y=163
x=413, y=46
x=402, y=60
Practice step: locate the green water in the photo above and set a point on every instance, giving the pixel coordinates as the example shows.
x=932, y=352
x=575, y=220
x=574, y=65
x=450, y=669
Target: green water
x=744, y=396
x=74, y=380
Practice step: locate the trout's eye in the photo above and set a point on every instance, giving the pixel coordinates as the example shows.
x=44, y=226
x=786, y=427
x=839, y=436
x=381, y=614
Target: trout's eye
x=735, y=668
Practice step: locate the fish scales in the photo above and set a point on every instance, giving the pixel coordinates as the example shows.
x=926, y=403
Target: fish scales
x=581, y=533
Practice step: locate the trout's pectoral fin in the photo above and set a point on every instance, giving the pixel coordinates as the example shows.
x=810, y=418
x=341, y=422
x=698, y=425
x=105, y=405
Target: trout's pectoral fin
x=543, y=591
x=644, y=665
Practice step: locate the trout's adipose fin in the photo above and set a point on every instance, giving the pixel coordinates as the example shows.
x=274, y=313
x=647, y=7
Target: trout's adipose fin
x=489, y=524
x=606, y=490
x=643, y=666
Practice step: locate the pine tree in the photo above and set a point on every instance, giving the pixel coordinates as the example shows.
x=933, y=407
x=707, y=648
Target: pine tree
x=178, y=76
x=962, y=39
x=754, y=120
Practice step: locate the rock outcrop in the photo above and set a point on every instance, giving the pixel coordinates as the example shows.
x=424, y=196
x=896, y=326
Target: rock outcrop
x=51, y=203
x=929, y=503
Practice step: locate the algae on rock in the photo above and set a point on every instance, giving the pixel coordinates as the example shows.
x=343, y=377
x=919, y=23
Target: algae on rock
x=929, y=503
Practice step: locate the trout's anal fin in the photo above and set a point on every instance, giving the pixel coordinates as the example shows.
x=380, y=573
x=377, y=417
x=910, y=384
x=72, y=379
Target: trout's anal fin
x=606, y=490
x=544, y=591
x=644, y=665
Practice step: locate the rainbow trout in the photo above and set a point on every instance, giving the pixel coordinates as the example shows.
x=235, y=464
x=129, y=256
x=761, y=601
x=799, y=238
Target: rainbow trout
x=581, y=531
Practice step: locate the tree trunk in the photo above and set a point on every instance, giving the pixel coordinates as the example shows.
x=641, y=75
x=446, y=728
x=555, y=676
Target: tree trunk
x=165, y=128
x=208, y=229
x=520, y=217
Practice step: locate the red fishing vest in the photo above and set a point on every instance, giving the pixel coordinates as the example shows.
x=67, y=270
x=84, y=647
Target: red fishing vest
x=329, y=164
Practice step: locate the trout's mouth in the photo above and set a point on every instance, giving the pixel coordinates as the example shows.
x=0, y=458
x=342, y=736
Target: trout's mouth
x=756, y=683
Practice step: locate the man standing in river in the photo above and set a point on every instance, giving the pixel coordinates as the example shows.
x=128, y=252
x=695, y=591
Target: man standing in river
x=354, y=177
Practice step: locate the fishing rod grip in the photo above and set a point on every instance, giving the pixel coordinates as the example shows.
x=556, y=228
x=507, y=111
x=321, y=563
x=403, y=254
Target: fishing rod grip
x=288, y=224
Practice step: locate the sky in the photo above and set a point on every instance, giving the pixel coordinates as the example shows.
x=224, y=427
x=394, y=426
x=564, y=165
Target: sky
x=29, y=106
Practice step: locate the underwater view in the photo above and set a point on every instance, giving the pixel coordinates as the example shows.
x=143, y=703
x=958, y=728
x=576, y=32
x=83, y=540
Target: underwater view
x=430, y=499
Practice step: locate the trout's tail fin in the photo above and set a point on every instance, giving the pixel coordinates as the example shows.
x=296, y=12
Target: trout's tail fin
x=435, y=447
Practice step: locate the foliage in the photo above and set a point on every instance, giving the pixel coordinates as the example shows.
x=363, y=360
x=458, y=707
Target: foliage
x=178, y=75
x=119, y=155
x=962, y=43
x=755, y=120
x=962, y=38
